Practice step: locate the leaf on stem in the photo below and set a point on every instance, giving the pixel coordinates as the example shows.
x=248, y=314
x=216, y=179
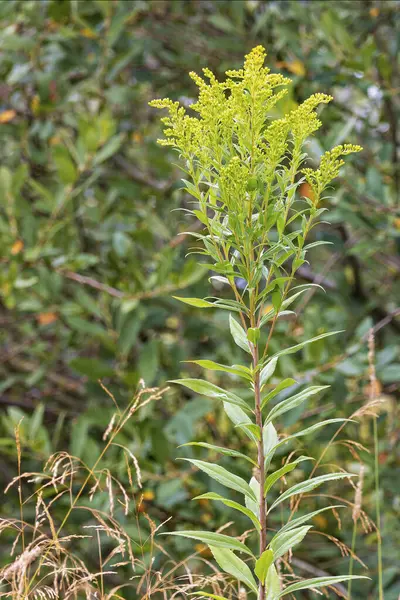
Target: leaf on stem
x=307, y=486
x=239, y=335
x=300, y=520
x=197, y=302
x=215, y=539
x=238, y=370
x=225, y=451
x=223, y=477
x=271, y=479
x=232, y=504
x=294, y=401
x=317, y=582
x=279, y=388
x=283, y=541
x=205, y=388
x=263, y=564
x=233, y=565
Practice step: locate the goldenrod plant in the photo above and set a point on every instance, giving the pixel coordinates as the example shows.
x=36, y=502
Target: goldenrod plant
x=244, y=170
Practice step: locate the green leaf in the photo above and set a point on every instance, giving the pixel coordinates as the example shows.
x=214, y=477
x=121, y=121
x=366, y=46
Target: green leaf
x=279, y=388
x=263, y=564
x=233, y=565
x=272, y=584
x=318, y=582
x=223, y=477
x=294, y=401
x=238, y=417
x=205, y=388
x=300, y=520
x=239, y=334
x=311, y=429
x=225, y=451
x=197, y=302
x=239, y=370
x=310, y=484
x=253, y=334
x=215, y=539
x=283, y=541
x=251, y=429
x=65, y=167
x=270, y=438
x=109, y=149
x=269, y=482
x=268, y=371
x=293, y=349
x=251, y=504
x=232, y=504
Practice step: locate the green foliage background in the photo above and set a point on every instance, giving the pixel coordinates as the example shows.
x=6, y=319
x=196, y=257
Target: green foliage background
x=91, y=251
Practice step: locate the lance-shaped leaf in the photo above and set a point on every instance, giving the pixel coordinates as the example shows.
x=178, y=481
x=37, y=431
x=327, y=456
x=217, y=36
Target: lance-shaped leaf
x=223, y=477
x=297, y=347
x=238, y=417
x=231, y=504
x=251, y=429
x=270, y=440
x=205, y=388
x=238, y=370
x=279, y=388
x=253, y=503
x=239, y=334
x=197, y=302
x=225, y=451
x=294, y=401
x=309, y=430
x=271, y=479
x=215, y=539
x=317, y=582
x=300, y=520
x=272, y=584
x=268, y=371
x=282, y=542
x=263, y=564
x=307, y=486
x=232, y=564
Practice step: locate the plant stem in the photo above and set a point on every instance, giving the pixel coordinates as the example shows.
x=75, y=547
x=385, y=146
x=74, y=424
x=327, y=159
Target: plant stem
x=261, y=465
x=378, y=508
x=353, y=547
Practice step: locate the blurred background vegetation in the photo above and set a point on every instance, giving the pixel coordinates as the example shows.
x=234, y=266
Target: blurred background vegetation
x=91, y=251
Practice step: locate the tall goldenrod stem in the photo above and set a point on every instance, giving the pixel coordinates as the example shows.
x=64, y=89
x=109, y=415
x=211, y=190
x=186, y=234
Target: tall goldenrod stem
x=260, y=463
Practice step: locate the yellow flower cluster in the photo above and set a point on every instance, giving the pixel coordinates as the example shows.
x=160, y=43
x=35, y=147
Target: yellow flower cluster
x=233, y=137
x=329, y=168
